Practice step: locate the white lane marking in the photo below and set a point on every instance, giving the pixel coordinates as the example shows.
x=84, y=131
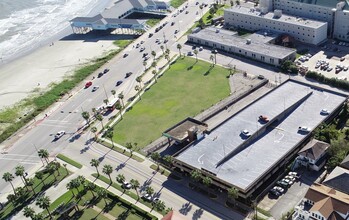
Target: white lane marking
x=200, y=162
x=21, y=155
x=28, y=162
x=55, y=121
x=20, y=160
x=282, y=136
x=53, y=125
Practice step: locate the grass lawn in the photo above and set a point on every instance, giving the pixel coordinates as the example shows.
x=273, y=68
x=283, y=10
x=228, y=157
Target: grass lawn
x=180, y=93
x=176, y=3
x=70, y=161
x=88, y=214
x=152, y=22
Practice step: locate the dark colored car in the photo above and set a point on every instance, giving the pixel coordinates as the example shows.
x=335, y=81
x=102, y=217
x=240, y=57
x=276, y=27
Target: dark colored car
x=88, y=84
x=274, y=192
x=128, y=74
x=125, y=55
x=283, y=184
x=105, y=71
x=118, y=83
x=100, y=74
x=263, y=118
x=172, y=23
x=150, y=35
x=145, y=54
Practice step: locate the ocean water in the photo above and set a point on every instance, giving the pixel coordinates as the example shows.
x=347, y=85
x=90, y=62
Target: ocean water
x=28, y=24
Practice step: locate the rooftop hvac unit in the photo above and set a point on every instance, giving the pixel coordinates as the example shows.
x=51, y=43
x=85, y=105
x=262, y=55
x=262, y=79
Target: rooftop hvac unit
x=248, y=41
x=277, y=13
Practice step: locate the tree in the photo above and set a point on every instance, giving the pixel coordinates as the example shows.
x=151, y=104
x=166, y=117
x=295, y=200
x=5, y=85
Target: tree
x=8, y=177
x=28, y=212
x=91, y=186
x=138, y=89
x=135, y=184
x=153, y=64
x=120, y=178
x=233, y=193
x=57, y=166
x=106, y=101
x=40, y=176
x=70, y=186
x=154, y=73
x=94, y=111
x=43, y=154
x=12, y=198
x=102, y=193
x=38, y=216
x=75, y=184
x=212, y=59
x=196, y=175
x=100, y=118
x=86, y=116
x=237, y=2
x=149, y=190
x=118, y=107
x=162, y=48
x=145, y=65
x=139, y=80
x=94, y=130
x=113, y=92
x=231, y=3
x=44, y=203
x=21, y=173
x=207, y=181
x=196, y=54
x=159, y=205
x=167, y=51
x=121, y=97
x=95, y=163
x=30, y=182
x=51, y=168
x=129, y=146
x=153, y=53
x=109, y=134
x=107, y=169
x=168, y=159
x=167, y=57
x=179, y=47
x=156, y=157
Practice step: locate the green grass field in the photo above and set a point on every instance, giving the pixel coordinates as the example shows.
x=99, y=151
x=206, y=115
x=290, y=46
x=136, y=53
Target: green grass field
x=180, y=93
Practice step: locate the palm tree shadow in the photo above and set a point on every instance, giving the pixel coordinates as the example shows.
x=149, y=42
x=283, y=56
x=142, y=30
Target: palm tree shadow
x=208, y=71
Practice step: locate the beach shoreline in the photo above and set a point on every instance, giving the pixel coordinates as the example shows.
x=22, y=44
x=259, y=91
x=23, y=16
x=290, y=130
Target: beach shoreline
x=32, y=71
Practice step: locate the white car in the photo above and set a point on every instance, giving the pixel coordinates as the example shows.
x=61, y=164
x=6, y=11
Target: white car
x=246, y=133
x=279, y=189
x=95, y=88
x=146, y=197
x=294, y=174
x=126, y=185
x=324, y=112
x=59, y=134
x=303, y=129
x=288, y=181
x=289, y=177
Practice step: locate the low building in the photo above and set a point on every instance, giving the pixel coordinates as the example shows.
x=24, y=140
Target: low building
x=313, y=155
x=257, y=46
x=322, y=203
x=345, y=162
x=338, y=180
x=304, y=30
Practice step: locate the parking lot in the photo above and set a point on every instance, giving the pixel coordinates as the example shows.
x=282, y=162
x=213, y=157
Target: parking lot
x=334, y=55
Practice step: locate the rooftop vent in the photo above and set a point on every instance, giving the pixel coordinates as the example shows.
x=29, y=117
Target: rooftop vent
x=248, y=41
x=277, y=13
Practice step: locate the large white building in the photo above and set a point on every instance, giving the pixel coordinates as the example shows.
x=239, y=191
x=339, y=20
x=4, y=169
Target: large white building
x=334, y=12
x=304, y=30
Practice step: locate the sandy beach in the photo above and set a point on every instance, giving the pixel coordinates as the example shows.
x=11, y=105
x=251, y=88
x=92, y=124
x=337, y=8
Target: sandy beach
x=48, y=64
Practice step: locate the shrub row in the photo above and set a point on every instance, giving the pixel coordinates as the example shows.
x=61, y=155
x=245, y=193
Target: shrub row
x=338, y=83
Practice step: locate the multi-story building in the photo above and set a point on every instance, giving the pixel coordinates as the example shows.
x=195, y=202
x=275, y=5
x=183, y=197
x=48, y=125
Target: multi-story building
x=304, y=30
x=334, y=12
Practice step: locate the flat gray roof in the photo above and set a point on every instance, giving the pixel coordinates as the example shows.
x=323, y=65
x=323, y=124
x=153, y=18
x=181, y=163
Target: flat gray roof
x=284, y=18
x=324, y=3
x=247, y=166
x=229, y=38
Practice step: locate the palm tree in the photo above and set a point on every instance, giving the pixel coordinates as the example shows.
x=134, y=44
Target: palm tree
x=121, y=97
x=139, y=80
x=21, y=173
x=179, y=47
x=233, y=193
x=103, y=194
x=153, y=64
x=95, y=163
x=196, y=54
x=138, y=89
x=91, y=186
x=149, y=190
x=212, y=59
x=156, y=156
x=28, y=212
x=43, y=154
x=51, y=168
x=159, y=205
x=168, y=159
x=162, y=48
x=44, y=203
x=70, y=186
x=94, y=130
x=129, y=146
x=12, y=198
x=100, y=118
x=196, y=175
x=38, y=216
x=118, y=107
x=145, y=65
x=153, y=53
x=167, y=57
x=86, y=116
x=75, y=184
x=57, y=166
x=135, y=184
x=106, y=101
x=154, y=73
x=94, y=111
x=120, y=178
x=237, y=2
x=40, y=176
x=109, y=134
x=207, y=181
x=107, y=169
x=8, y=177
x=113, y=92
x=30, y=182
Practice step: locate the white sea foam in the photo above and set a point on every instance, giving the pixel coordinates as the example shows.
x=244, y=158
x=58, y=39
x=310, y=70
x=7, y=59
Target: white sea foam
x=24, y=29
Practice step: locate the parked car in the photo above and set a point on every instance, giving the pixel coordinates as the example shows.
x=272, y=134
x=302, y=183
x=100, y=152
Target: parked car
x=246, y=133
x=155, y=199
x=282, y=184
x=105, y=71
x=324, y=111
x=142, y=42
x=303, y=129
x=288, y=181
x=118, y=83
x=279, y=189
x=201, y=48
x=59, y=134
x=172, y=23
x=142, y=49
x=292, y=178
x=146, y=197
x=126, y=185
x=128, y=74
x=100, y=75
x=145, y=54
x=190, y=53
x=342, y=59
x=146, y=58
x=176, y=31
x=125, y=55
x=150, y=35
x=95, y=88
x=88, y=84
x=274, y=192
x=263, y=118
